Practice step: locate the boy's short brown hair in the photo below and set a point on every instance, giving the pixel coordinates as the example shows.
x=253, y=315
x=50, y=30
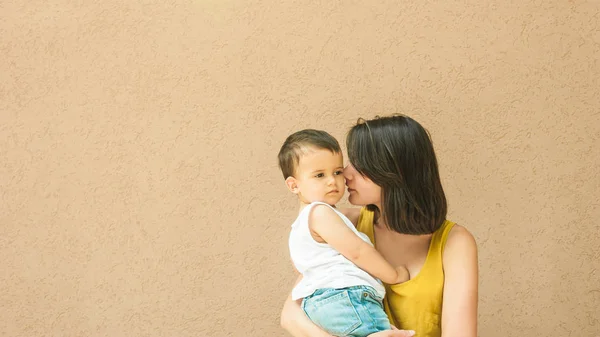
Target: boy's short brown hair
x=291, y=150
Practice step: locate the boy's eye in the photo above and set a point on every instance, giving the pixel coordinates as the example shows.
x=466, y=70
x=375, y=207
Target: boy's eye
x=319, y=175
x=337, y=173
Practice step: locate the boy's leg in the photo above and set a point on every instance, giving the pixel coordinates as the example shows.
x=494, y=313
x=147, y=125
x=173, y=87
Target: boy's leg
x=369, y=306
x=353, y=311
x=332, y=310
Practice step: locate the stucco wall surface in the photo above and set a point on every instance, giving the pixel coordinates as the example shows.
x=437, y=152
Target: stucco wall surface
x=139, y=191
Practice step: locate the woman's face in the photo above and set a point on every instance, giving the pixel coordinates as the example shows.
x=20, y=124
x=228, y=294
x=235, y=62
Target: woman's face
x=363, y=191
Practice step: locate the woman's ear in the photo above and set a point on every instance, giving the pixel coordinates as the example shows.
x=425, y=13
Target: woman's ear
x=292, y=184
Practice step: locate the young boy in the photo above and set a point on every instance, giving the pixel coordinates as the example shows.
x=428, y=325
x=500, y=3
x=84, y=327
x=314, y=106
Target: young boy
x=335, y=260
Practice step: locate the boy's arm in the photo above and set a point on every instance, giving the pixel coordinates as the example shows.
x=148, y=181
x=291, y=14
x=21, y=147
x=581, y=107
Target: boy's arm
x=332, y=229
x=351, y=213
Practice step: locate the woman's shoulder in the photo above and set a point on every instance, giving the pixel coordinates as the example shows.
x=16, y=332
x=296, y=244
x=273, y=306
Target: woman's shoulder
x=353, y=214
x=459, y=232
x=460, y=241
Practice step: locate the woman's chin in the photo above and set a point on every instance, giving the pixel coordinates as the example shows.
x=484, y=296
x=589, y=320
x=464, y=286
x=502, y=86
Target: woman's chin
x=354, y=200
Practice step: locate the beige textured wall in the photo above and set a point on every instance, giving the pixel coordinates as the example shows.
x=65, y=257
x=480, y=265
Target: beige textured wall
x=139, y=194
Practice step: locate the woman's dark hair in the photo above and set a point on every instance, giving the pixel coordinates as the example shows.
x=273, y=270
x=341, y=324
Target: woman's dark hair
x=396, y=153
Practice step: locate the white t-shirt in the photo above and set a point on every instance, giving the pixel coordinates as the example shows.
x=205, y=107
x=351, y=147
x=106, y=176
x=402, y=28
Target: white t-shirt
x=322, y=266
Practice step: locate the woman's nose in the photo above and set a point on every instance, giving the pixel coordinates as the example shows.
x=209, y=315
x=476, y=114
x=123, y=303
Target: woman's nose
x=348, y=171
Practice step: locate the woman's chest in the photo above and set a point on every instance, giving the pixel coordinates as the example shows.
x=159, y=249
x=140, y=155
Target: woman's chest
x=401, y=250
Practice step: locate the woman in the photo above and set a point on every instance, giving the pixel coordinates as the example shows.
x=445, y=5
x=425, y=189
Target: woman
x=393, y=172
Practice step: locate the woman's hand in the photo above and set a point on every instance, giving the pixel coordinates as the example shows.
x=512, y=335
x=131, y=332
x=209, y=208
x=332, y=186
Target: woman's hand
x=393, y=333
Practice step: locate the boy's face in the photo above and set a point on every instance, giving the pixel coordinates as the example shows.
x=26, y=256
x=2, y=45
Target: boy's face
x=318, y=177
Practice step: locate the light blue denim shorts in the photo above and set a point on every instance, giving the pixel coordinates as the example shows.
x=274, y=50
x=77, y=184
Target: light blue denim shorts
x=354, y=311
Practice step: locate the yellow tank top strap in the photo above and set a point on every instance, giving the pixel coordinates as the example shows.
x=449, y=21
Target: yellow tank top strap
x=438, y=240
x=365, y=223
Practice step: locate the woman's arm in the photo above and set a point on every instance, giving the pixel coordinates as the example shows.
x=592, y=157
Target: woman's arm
x=294, y=321
x=459, y=308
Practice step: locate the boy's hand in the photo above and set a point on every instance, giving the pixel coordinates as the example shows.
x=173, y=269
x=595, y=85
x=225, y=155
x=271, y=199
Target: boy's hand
x=403, y=274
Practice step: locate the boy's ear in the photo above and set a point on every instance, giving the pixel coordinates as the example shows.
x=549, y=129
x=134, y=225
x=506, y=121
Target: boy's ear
x=291, y=184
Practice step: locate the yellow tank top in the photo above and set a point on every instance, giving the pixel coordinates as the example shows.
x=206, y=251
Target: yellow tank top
x=417, y=303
